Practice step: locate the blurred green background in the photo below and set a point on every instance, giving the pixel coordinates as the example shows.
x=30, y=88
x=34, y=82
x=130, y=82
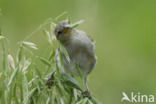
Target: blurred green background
x=124, y=31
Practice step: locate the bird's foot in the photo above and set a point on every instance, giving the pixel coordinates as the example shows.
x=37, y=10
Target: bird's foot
x=86, y=94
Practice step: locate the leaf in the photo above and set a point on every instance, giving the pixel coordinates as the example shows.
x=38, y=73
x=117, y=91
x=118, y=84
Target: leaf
x=74, y=25
x=10, y=60
x=25, y=87
x=45, y=61
x=94, y=101
x=71, y=81
x=52, y=55
x=47, y=33
x=58, y=61
x=6, y=96
x=62, y=101
x=79, y=71
x=4, y=55
x=89, y=102
x=13, y=75
x=30, y=45
x=31, y=93
x=38, y=72
x=75, y=93
x=32, y=80
x=26, y=65
x=19, y=54
x=52, y=28
x=64, y=52
x=59, y=16
x=83, y=101
x=48, y=100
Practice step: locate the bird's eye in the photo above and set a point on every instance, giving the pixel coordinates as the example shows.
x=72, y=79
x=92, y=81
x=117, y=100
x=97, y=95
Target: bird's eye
x=60, y=32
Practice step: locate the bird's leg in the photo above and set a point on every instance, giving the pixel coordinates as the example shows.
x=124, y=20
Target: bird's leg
x=86, y=93
x=85, y=82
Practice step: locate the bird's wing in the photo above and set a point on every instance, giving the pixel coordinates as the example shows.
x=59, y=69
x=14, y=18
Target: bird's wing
x=84, y=50
x=82, y=40
x=69, y=66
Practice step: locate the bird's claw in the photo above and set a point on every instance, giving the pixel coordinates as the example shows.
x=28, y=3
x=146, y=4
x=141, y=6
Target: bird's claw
x=86, y=94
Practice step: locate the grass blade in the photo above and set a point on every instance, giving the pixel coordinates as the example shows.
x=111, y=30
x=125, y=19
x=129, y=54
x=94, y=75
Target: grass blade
x=11, y=62
x=30, y=45
x=13, y=75
x=74, y=25
x=71, y=81
x=45, y=61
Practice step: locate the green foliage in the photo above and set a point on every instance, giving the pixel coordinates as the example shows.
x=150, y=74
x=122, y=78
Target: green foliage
x=29, y=80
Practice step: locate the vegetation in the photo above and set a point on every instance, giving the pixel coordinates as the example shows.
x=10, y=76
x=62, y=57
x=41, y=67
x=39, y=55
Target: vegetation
x=31, y=78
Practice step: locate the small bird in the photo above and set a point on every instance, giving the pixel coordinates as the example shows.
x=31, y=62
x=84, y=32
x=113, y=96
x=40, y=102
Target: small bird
x=80, y=48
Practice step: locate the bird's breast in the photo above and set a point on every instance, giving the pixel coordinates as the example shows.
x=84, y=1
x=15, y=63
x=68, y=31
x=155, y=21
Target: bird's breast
x=81, y=58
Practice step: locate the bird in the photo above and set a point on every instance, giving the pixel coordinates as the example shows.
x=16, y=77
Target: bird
x=80, y=48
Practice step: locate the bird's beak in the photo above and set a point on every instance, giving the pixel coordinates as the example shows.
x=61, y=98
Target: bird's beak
x=67, y=29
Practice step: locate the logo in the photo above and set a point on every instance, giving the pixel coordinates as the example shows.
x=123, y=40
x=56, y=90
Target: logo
x=137, y=98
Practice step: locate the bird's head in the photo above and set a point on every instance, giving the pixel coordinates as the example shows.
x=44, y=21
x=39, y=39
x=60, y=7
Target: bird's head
x=62, y=30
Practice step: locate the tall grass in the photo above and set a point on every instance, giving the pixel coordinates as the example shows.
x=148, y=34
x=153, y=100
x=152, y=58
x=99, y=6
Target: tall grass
x=29, y=78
